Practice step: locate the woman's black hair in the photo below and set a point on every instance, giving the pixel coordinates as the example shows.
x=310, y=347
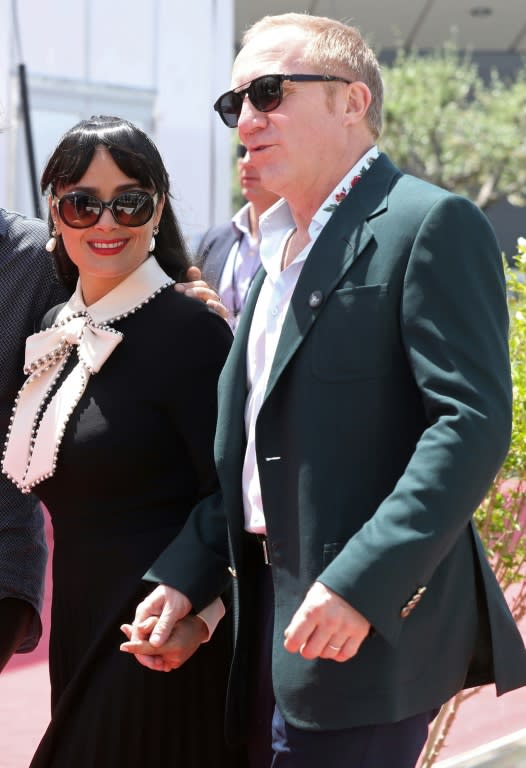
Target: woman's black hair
x=137, y=156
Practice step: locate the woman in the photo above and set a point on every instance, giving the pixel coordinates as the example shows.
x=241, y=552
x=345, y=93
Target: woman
x=113, y=430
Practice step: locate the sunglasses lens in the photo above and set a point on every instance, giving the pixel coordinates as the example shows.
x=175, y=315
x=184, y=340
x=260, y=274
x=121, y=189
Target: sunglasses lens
x=265, y=92
x=79, y=211
x=229, y=107
x=133, y=209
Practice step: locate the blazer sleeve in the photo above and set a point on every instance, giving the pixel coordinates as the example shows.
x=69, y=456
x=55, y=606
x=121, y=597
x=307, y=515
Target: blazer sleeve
x=454, y=325
x=196, y=561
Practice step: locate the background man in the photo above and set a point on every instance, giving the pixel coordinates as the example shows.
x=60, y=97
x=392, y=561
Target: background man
x=228, y=255
x=28, y=287
x=363, y=413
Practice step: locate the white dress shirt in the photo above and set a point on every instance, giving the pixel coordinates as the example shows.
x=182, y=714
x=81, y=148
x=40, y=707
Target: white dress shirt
x=240, y=267
x=277, y=226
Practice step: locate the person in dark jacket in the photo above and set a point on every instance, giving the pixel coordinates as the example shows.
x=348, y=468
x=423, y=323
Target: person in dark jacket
x=364, y=411
x=28, y=287
x=228, y=255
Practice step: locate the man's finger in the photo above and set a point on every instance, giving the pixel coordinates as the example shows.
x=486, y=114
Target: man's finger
x=219, y=308
x=193, y=273
x=315, y=644
x=299, y=631
x=171, y=613
x=152, y=605
x=349, y=649
x=141, y=630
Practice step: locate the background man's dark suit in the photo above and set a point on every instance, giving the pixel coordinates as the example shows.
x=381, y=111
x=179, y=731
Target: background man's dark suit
x=28, y=287
x=213, y=249
x=384, y=438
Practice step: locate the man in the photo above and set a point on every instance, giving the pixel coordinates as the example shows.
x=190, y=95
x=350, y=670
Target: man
x=28, y=288
x=228, y=255
x=363, y=413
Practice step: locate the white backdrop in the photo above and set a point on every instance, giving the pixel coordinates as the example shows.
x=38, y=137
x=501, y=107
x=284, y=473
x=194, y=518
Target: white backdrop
x=159, y=63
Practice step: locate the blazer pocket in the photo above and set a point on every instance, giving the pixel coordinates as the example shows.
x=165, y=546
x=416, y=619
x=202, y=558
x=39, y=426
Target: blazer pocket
x=350, y=334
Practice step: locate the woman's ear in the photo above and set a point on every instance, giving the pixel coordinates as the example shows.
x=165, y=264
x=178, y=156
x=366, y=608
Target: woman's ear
x=53, y=212
x=159, y=210
x=358, y=102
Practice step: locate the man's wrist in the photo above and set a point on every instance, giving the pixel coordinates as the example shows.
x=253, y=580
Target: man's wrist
x=211, y=615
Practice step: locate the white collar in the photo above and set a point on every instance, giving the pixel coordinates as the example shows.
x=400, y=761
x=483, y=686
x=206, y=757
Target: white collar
x=37, y=427
x=277, y=222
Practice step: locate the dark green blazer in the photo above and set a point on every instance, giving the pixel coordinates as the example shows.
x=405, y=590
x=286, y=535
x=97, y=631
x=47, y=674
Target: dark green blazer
x=389, y=406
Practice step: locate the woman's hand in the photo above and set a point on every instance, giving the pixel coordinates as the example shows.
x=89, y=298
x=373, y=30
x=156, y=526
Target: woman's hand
x=183, y=641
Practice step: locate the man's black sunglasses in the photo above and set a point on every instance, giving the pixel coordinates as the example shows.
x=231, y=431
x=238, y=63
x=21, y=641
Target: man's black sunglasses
x=265, y=93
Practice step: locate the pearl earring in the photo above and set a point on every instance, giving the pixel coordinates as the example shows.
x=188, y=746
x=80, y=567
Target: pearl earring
x=52, y=242
x=151, y=247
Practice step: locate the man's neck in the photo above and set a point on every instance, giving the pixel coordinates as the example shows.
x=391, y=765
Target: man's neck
x=253, y=219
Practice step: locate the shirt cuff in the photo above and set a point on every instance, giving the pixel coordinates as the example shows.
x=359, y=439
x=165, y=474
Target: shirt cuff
x=212, y=615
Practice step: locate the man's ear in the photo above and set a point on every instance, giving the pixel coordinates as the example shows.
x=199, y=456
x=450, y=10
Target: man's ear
x=358, y=102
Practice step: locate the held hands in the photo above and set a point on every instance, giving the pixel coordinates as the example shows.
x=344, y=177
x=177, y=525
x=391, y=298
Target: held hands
x=326, y=626
x=184, y=640
x=199, y=289
x=155, y=630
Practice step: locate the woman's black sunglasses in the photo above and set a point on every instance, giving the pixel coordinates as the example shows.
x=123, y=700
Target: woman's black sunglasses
x=265, y=93
x=80, y=210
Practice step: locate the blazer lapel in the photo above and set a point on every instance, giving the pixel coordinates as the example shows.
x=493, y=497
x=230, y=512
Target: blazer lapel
x=338, y=246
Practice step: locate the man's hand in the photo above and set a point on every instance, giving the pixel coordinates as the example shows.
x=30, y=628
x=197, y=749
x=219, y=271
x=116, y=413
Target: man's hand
x=326, y=626
x=168, y=605
x=197, y=288
x=183, y=642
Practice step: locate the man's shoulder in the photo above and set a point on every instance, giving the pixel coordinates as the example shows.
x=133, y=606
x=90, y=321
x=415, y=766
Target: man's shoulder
x=216, y=235
x=213, y=251
x=27, y=269
x=403, y=183
x=424, y=196
x=21, y=232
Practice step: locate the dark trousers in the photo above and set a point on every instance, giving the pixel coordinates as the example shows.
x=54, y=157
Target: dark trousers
x=273, y=743
x=15, y=621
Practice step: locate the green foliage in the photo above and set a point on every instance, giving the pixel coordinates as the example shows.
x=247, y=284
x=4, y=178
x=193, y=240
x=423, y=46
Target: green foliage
x=444, y=124
x=501, y=518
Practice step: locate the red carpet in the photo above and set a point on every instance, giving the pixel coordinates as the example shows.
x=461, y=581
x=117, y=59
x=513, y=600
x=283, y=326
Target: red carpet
x=24, y=707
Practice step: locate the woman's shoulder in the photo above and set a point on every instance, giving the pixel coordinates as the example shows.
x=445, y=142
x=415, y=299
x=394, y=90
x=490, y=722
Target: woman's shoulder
x=172, y=303
x=189, y=318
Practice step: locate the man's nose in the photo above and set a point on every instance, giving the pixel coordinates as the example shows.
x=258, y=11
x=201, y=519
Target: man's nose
x=250, y=117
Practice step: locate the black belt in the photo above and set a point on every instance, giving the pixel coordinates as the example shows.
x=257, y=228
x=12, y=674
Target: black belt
x=258, y=542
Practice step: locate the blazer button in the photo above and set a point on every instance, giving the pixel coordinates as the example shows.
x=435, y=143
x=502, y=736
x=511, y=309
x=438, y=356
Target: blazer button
x=315, y=299
x=232, y=571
